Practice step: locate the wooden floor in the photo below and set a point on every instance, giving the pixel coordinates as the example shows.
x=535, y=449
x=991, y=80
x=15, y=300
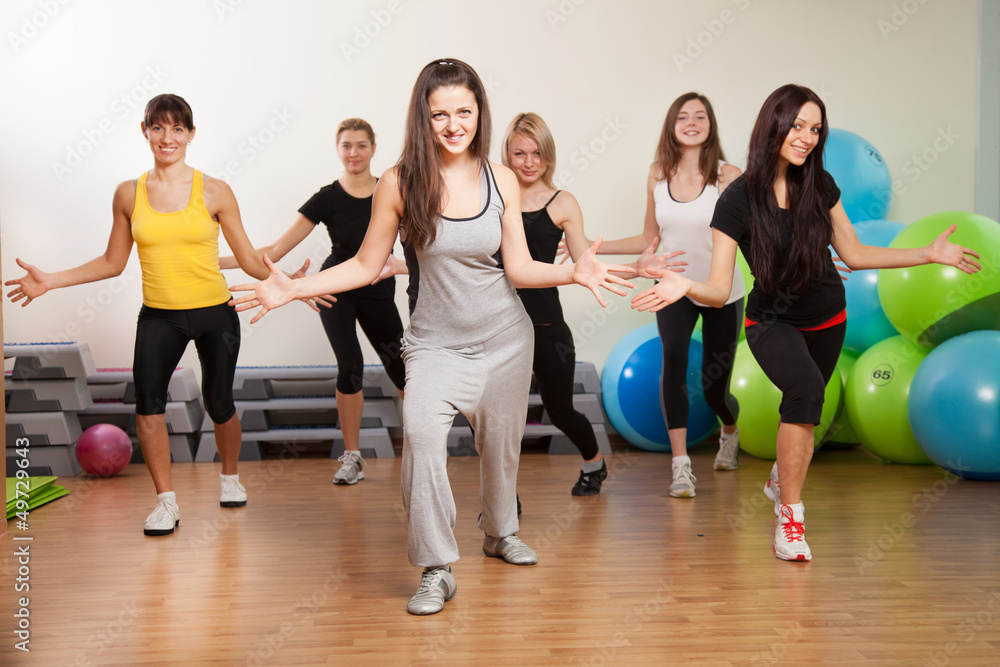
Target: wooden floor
x=906, y=571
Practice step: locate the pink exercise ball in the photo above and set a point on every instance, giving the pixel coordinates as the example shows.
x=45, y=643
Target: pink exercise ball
x=103, y=450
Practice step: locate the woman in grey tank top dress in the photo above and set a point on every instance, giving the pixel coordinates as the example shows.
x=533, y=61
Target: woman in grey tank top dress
x=468, y=346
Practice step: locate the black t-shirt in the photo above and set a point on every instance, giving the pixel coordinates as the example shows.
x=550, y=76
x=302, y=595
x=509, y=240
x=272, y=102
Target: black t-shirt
x=820, y=302
x=542, y=236
x=346, y=219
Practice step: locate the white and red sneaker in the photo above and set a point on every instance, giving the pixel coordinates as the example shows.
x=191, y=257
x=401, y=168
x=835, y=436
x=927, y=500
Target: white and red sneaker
x=790, y=535
x=772, y=490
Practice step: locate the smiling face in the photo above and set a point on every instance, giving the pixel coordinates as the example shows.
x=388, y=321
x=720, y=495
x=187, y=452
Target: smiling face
x=168, y=140
x=526, y=159
x=692, y=126
x=355, y=149
x=454, y=118
x=802, y=137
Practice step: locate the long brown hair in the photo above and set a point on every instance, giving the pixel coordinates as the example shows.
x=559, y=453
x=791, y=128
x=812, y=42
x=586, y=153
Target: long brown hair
x=668, y=151
x=812, y=228
x=531, y=126
x=419, y=166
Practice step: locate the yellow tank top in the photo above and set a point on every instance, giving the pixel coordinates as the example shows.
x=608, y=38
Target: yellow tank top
x=179, y=252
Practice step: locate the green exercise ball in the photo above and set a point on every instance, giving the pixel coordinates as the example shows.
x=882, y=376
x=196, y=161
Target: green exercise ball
x=931, y=303
x=842, y=435
x=877, y=393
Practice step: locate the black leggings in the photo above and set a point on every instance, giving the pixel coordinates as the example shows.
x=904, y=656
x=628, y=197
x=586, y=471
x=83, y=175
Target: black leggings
x=720, y=333
x=799, y=363
x=554, y=366
x=161, y=336
x=380, y=321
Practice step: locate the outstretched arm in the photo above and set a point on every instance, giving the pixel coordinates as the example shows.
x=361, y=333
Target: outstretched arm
x=362, y=269
x=37, y=282
x=291, y=237
x=523, y=271
x=856, y=255
x=673, y=286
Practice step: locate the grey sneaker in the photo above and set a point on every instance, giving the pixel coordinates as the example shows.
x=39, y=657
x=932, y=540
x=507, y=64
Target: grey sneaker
x=232, y=493
x=772, y=490
x=510, y=548
x=729, y=451
x=683, y=483
x=350, y=470
x=163, y=519
x=436, y=586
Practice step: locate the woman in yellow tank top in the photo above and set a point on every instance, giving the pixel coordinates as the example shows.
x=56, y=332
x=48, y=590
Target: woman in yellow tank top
x=173, y=213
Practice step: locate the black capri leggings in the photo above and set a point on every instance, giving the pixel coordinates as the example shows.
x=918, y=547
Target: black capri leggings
x=554, y=366
x=720, y=333
x=380, y=321
x=161, y=336
x=799, y=363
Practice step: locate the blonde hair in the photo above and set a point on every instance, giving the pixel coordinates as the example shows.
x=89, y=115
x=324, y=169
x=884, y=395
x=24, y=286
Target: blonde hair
x=531, y=126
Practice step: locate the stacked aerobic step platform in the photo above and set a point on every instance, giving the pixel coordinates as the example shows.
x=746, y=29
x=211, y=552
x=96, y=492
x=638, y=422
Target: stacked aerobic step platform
x=297, y=404
x=45, y=392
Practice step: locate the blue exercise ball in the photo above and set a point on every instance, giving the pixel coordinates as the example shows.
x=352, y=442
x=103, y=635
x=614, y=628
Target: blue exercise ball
x=954, y=405
x=867, y=323
x=630, y=383
x=861, y=174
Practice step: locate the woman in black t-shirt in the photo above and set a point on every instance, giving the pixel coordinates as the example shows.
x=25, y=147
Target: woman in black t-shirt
x=783, y=213
x=345, y=206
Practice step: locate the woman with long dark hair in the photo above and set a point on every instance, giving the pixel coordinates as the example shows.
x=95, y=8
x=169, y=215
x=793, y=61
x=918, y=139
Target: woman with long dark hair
x=173, y=214
x=345, y=207
x=684, y=184
x=783, y=213
x=468, y=345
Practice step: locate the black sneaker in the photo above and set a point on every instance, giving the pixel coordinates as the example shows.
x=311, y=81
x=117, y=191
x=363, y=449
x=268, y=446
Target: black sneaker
x=589, y=483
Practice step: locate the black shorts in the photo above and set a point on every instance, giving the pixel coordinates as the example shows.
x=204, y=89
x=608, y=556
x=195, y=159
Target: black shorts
x=160, y=339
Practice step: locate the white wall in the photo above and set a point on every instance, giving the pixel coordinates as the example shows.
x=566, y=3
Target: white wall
x=75, y=76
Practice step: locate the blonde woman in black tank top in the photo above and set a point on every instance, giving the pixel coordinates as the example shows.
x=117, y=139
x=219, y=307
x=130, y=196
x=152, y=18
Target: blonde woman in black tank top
x=529, y=151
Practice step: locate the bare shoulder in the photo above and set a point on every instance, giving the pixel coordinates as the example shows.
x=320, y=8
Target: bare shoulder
x=124, y=199
x=653, y=177
x=564, y=207
x=389, y=180
x=505, y=177
x=216, y=188
x=727, y=174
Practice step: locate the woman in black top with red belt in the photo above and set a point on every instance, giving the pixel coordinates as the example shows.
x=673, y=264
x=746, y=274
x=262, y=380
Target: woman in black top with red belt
x=783, y=213
x=345, y=206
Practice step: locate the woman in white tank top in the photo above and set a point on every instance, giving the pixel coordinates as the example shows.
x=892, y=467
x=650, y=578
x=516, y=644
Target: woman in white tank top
x=683, y=186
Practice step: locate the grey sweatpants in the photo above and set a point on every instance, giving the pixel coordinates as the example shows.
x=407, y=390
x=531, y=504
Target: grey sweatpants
x=488, y=383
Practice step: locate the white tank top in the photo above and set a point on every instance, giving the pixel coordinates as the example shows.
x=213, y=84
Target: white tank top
x=685, y=226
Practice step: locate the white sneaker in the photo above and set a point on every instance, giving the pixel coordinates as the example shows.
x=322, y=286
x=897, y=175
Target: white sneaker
x=729, y=451
x=163, y=519
x=790, y=535
x=683, y=483
x=231, y=493
x=350, y=469
x=773, y=491
x=436, y=586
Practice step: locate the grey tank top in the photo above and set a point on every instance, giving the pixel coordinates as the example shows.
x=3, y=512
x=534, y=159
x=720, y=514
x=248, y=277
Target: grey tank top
x=459, y=294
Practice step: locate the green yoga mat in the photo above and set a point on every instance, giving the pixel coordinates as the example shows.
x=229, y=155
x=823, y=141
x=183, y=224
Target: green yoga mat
x=40, y=491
